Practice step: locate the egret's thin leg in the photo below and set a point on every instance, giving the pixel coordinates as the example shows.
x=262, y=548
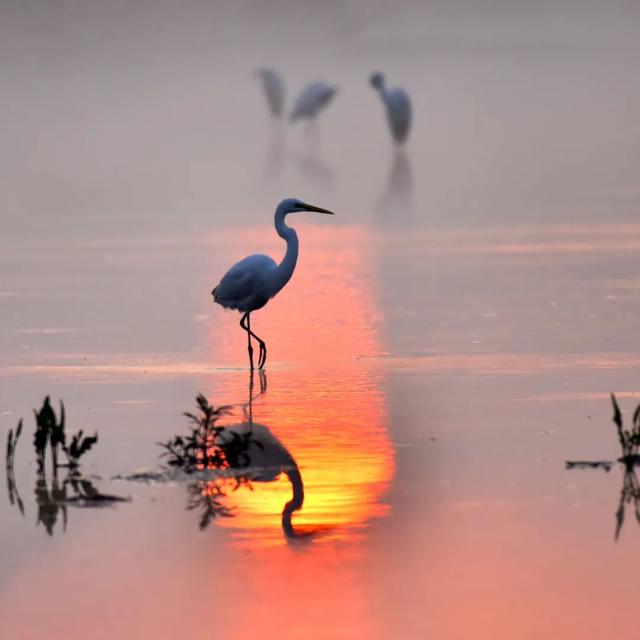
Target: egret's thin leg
x=262, y=357
x=251, y=399
x=249, y=345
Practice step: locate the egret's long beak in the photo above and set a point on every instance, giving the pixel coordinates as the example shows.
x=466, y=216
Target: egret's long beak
x=310, y=207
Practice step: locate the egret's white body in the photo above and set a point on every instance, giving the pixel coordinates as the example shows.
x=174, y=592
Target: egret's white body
x=312, y=99
x=273, y=87
x=253, y=281
x=397, y=105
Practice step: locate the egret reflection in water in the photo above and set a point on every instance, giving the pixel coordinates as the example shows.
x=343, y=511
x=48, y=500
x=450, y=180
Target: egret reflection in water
x=262, y=459
x=314, y=169
x=275, y=155
x=269, y=458
x=398, y=193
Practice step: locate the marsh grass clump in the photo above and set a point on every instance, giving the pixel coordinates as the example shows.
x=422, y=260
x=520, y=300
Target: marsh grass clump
x=51, y=431
x=219, y=455
x=199, y=448
x=208, y=445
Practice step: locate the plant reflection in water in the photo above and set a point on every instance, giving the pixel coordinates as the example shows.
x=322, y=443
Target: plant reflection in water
x=75, y=490
x=53, y=495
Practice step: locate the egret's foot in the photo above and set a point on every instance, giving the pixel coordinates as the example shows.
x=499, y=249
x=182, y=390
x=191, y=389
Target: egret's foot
x=263, y=381
x=263, y=355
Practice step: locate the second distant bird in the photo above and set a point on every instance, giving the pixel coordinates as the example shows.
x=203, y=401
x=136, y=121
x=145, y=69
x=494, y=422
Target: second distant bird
x=312, y=99
x=397, y=106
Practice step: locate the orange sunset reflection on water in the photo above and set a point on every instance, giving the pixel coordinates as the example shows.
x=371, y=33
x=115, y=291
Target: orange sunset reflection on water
x=323, y=407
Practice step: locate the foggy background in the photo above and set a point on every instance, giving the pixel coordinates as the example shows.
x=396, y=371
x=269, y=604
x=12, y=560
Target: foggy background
x=144, y=116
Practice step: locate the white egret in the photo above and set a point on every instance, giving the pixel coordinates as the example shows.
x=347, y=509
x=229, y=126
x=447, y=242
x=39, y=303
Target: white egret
x=273, y=87
x=397, y=105
x=253, y=281
x=312, y=99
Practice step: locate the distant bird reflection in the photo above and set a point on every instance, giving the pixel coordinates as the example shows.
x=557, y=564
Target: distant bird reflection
x=398, y=194
x=316, y=171
x=275, y=156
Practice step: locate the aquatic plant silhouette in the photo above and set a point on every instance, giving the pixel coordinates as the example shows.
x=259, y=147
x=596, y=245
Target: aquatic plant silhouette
x=205, y=446
x=629, y=440
x=51, y=431
x=209, y=447
x=53, y=495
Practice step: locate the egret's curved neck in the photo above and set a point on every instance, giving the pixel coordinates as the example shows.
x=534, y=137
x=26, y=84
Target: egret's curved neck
x=284, y=270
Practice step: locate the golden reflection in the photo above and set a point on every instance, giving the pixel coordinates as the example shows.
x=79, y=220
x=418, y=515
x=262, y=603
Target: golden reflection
x=323, y=416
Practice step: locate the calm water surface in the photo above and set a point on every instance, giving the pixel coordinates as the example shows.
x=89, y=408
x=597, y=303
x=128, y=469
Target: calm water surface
x=429, y=387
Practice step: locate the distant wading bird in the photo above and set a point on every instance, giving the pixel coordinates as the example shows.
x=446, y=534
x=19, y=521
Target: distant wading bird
x=253, y=281
x=312, y=99
x=397, y=105
x=273, y=87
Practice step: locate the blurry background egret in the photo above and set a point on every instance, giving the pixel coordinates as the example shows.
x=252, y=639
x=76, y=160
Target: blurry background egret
x=273, y=87
x=253, y=281
x=397, y=105
x=312, y=99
